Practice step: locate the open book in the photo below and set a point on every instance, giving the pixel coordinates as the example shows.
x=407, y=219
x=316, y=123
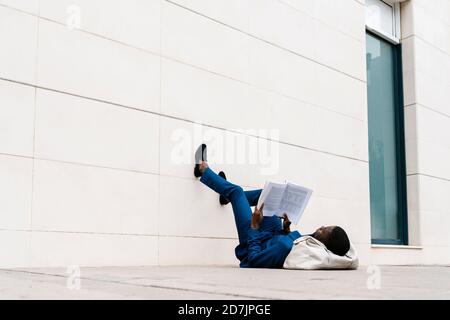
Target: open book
x=284, y=197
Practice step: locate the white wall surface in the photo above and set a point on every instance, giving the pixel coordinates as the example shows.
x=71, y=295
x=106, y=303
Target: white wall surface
x=88, y=116
x=426, y=41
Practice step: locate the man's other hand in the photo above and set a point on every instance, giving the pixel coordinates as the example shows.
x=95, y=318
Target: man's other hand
x=257, y=217
x=286, y=223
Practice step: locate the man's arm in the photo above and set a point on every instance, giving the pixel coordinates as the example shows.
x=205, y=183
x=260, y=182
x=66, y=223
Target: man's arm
x=255, y=237
x=284, y=227
x=271, y=257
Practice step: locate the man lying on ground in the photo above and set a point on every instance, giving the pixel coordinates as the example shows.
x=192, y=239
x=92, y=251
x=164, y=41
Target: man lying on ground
x=264, y=242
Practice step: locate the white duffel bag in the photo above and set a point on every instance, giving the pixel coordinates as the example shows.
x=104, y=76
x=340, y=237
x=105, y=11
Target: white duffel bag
x=309, y=253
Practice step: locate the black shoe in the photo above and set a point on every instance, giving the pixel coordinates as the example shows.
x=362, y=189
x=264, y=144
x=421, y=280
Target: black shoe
x=222, y=199
x=200, y=155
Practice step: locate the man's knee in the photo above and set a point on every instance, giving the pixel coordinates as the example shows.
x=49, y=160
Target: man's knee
x=236, y=190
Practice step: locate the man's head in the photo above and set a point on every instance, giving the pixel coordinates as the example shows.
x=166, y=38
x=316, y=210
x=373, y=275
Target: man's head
x=334, y=238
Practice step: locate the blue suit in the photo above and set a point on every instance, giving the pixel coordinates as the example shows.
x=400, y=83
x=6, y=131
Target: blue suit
x=266, y=247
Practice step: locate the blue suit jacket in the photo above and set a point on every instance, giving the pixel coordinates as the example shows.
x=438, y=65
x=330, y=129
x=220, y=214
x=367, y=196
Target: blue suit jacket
x=266, y=247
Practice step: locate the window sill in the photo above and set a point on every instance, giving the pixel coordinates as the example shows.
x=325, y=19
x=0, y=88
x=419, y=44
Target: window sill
x=394, y=246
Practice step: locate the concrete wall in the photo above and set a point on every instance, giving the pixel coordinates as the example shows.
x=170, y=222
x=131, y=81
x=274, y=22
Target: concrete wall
x=426, y=42
x=89, y=120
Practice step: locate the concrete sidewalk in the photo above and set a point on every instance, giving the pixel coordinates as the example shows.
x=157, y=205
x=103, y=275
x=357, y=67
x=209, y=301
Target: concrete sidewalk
x=226, y=282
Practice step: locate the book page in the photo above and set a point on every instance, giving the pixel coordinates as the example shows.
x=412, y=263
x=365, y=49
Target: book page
x=271, y=196
x=294, y=201
x=263, y=194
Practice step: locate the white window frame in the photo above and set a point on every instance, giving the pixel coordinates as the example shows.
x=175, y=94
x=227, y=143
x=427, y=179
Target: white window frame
x=395, y=37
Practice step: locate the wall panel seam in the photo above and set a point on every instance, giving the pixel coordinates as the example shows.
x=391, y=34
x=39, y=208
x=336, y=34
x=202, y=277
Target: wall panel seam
x=191, y=121
x=266, y=41
x=428, y=176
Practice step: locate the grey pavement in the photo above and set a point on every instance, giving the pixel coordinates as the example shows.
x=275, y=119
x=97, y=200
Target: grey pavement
x=226, y=282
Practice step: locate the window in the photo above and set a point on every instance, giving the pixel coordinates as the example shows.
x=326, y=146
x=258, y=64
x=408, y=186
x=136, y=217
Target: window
x=388, y=206
x=383, y=18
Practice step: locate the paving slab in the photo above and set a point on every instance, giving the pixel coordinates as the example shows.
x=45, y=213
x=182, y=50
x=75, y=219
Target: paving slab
x=226, y=282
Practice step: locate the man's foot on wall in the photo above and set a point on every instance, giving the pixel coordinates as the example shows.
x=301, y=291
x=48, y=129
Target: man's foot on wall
x=200, y=160
x=222, y=199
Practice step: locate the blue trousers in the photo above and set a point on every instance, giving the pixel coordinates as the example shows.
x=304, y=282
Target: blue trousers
x=275, y=244
x=241, y=201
